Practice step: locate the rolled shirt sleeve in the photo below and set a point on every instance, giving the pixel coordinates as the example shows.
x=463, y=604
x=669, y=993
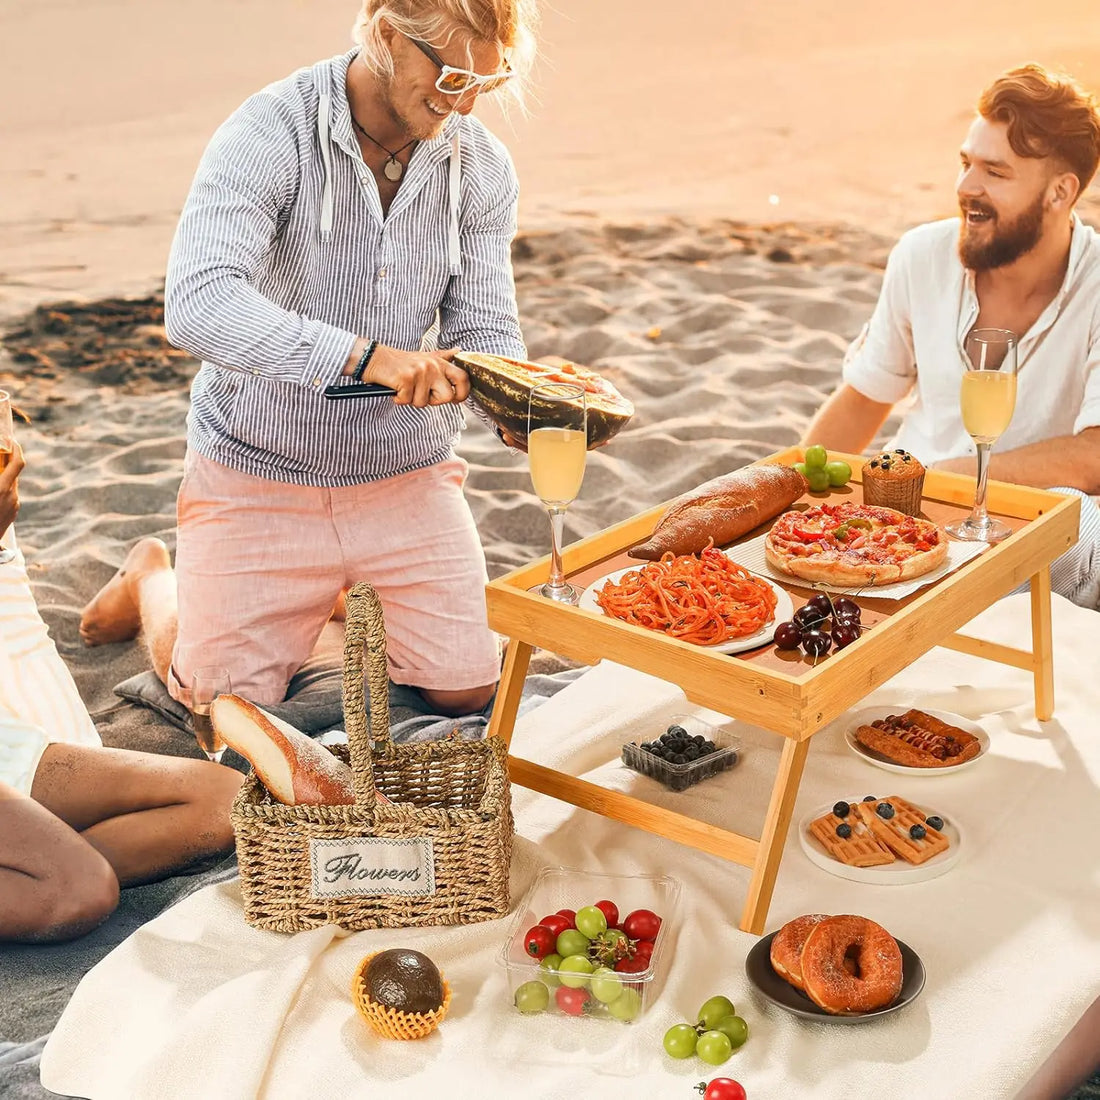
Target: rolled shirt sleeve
x=246, y=180
x=1089, y=415
x=881, y=361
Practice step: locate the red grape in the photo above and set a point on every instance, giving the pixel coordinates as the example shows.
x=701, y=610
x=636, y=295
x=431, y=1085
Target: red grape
x=611, y=911
x=723, y=1088
x=571, y=1000
x=787, y=636
x=539, y=941
x=556, y=923
x=642, y=924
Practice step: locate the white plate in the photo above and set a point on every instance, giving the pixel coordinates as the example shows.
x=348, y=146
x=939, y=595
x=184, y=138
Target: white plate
x=784, y=609
x=866, y=715
x=888, y=874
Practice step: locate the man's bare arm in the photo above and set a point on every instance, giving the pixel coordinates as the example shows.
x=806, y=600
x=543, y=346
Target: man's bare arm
x=1071, y=460
x=848, y=421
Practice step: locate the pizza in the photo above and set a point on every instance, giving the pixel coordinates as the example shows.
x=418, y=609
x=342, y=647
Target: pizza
x=854, y=544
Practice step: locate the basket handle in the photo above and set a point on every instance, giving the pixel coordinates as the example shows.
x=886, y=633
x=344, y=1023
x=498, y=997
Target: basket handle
x=365, y=625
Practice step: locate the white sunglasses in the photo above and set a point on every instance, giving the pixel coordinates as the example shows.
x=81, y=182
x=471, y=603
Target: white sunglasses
x=454, y=81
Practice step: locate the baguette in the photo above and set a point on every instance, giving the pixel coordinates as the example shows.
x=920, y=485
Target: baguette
x=722, y=510
x=293, y=767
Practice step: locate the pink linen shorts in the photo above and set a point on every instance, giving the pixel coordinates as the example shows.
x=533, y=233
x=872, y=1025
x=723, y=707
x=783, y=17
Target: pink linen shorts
x=260, y=564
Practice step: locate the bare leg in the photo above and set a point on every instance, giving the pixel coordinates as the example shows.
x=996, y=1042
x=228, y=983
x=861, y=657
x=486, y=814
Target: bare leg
x=147, y=815
x=454, y=704
x=141, y=596
x=53, y=884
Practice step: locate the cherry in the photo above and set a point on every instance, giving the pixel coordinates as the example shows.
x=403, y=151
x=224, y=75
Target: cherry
x=787, y=636
x=844, y=606
x=821, y=604
x=845, y=633
x=817, y=643
x=807, y=618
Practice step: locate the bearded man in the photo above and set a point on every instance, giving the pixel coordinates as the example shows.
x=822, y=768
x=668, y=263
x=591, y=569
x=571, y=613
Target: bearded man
x=350, y=223
x=1017, y=258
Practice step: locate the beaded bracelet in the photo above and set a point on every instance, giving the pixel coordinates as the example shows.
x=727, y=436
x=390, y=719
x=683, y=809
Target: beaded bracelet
x=364, y=360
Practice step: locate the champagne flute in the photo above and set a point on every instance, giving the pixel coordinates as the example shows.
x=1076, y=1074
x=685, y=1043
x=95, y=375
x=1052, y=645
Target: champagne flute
x=207, y=684
x=557, y=442
x=988, y=399
x=7, y=449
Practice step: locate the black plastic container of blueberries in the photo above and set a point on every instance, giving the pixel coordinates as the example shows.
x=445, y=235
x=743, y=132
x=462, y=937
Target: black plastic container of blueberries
x=678, y=777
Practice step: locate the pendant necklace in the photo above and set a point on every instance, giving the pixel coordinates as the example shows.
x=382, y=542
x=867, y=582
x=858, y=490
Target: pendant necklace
x=393, y=169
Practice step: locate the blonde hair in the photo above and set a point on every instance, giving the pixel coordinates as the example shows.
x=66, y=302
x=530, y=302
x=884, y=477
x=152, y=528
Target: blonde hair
x=510, y=24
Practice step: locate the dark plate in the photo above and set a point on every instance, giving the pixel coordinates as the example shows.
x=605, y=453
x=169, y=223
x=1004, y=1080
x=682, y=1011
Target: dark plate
x=772, y=987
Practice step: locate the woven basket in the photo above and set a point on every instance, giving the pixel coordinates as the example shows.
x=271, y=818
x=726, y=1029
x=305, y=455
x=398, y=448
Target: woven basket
x=435, y=849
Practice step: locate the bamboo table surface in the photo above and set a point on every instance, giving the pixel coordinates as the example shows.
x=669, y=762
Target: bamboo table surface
x=776, y=690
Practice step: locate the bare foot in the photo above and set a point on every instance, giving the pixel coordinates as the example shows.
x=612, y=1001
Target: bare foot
x=113, y=614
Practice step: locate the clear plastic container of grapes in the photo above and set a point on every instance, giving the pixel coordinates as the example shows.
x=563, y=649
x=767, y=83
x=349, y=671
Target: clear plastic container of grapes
x=618, y=996
x=678, y=775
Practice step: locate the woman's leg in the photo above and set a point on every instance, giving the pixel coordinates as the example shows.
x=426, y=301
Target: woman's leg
x=147, y=815
x=53, y=884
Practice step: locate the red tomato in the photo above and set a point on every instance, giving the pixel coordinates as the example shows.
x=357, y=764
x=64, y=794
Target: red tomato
x=570, y=915
x=643, y=949
x=570, y=1000
x=539, y=941
x=642, y=924
x=723, y=1088
x=556, y=923
x=611, y=911
x=636, y=965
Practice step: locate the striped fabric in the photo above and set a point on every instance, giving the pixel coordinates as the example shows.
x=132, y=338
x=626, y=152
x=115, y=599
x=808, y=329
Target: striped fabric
x=39, y=702
x=283, y=257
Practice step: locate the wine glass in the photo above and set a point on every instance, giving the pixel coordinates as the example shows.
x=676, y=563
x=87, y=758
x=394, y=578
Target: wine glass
x=7, y=449
x=988, y=399
x=207, y=684
x=557, y=441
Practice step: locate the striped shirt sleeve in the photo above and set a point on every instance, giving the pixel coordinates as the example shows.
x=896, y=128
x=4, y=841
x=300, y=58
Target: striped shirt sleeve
x=245, y=183
x=478, y=311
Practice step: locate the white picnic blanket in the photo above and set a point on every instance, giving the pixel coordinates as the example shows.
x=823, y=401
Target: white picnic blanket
x=196, y=1003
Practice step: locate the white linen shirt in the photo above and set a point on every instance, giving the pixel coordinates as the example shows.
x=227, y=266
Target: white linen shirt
x=283, y=256
x=39, y=702
x=913, y=346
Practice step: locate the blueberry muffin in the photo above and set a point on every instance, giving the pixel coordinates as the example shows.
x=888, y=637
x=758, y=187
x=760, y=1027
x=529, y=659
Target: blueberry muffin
x=894, y=479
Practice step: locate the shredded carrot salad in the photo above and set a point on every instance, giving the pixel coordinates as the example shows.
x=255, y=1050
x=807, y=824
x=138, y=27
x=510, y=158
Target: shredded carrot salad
x=706, y=599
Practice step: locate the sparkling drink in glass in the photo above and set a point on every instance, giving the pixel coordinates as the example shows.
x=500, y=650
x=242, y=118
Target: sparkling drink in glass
x=206, y=685
x=988, y=399
x=557, y=445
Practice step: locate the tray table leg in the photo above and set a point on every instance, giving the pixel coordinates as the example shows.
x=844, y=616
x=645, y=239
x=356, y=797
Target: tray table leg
x=510, y=690
x=770, y=852
x=1042, y=645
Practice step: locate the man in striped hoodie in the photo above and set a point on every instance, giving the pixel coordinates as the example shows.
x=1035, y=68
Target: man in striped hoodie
x=349, y=223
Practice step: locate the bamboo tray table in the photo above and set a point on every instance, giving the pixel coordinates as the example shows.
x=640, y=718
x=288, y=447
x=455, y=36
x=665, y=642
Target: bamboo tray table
x=766, y=687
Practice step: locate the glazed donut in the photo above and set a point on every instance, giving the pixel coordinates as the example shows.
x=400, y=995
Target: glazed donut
x=786, y=949
x=827, y=982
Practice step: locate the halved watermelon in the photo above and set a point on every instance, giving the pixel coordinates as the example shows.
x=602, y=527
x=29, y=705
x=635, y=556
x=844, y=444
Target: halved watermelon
x=502, y=389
